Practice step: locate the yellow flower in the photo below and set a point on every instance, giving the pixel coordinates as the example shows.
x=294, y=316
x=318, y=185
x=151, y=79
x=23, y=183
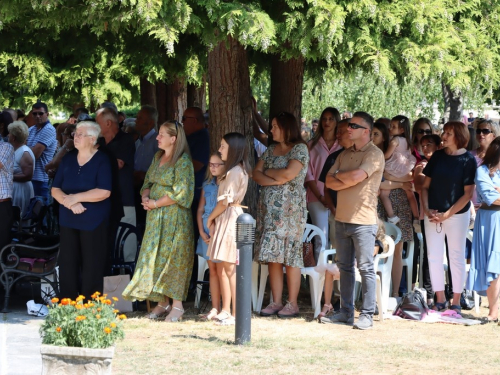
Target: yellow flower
x=80, y=298
x=104, y=295
x=116, y=311
x=107, y=302
x=73, y=303
x=98, y=316
x=113, y=325
x=85, y=305
x=98, y=309
x=122, y=316
x=58, y=329
x=54, y=300
x=107, y=330
x=91, y=304
x=115, y=299
x=97, y=293
x=80, y=318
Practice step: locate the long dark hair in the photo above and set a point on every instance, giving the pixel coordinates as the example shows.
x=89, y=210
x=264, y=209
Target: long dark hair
x=237, y=153
x=492, y=156
x=404, y=123
x=416, y=125
x=288, y=124
x=385, y=133
x=320, y=131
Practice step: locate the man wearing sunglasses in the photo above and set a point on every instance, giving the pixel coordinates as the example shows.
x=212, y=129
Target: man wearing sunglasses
x=356, y=176
x=43, y=143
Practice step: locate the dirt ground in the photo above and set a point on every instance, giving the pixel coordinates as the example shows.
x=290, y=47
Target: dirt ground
x=299, y=345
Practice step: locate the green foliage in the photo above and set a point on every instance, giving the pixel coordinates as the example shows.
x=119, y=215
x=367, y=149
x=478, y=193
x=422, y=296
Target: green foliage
x=94, y=324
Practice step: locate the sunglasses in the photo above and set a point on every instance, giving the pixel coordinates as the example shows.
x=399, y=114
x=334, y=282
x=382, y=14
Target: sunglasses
x=215, y=165
x=38, y=113
x=185, y=117
x=355, y=126
x=426, y=131
x=484, y=131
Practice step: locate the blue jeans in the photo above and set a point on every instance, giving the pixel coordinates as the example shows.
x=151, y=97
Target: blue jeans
x=41, y=189
x=355, y=241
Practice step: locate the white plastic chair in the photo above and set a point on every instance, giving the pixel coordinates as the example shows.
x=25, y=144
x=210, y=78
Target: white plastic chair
x=316, y=279
x=385, y=265
x=408, y=262
x=202, y=267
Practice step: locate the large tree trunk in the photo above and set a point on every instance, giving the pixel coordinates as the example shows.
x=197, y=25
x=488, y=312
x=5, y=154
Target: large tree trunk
x=171, y=100
x=453, y=104
x=287, y=78
x=230, y=105
x=196, y=95
x=148, y=92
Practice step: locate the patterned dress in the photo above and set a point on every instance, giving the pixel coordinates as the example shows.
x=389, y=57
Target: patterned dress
x=282, y=213
x=402, y=209
x=166, y=257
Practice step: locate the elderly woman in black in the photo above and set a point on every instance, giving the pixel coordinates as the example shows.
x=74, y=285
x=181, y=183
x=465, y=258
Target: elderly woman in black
x=82, y=186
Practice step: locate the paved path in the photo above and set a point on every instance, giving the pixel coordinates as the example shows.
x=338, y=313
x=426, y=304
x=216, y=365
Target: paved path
x=20, y=343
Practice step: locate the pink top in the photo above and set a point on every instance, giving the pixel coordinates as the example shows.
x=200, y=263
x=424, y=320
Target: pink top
x=317, y=159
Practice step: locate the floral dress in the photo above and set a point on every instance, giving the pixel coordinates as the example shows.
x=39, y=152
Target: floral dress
x=282, y=213
x=166, y=258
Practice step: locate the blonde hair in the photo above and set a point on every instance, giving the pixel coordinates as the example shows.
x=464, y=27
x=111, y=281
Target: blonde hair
x=19, y=130
x=208, y=175
x=175, y=129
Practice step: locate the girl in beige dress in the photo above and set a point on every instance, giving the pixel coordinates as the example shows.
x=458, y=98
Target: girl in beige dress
x=222, y=220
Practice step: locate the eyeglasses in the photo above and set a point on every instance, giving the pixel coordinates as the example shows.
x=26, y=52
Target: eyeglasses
x=484, y=131
x=177, y=124
x=185, y=117
x=355, y=126
x=426, y=131
x=215, y=165
x=80, y=135
x=38, y=113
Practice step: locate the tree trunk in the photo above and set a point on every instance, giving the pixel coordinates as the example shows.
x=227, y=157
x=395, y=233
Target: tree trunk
x=453, y=104
x=171, y=100
x=287, y=78
x=196, y=95
x=230, y=105
x=148, y=92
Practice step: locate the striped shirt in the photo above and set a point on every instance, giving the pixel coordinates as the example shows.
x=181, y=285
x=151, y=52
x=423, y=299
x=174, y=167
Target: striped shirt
x=46, y=136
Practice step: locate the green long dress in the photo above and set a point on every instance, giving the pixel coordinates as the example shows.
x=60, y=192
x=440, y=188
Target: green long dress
x=166, y=258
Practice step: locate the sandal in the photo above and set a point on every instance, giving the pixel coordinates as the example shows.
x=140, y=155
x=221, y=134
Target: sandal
x=154, y=316
x=456, y=308
x=326, y=310
x=226, y=322
x=440, y=306
x=210, y=315
x=487, y=320
x=174, y=319
x=222, y=316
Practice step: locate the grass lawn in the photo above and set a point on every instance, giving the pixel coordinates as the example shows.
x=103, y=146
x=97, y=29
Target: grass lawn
x=301, y=345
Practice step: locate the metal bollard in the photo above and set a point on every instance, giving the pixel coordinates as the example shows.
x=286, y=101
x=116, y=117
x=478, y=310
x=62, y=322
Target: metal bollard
x=245, y=236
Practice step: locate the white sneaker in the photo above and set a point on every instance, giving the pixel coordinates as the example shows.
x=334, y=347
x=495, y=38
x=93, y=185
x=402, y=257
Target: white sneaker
x=393, y=220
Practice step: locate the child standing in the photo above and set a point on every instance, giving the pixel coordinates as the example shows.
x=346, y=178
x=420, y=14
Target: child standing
x=399, y=163
x=208, y=200
x=222, y=220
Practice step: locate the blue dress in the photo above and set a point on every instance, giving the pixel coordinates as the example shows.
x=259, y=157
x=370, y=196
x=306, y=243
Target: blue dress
x=485, y=257
x=210, y=189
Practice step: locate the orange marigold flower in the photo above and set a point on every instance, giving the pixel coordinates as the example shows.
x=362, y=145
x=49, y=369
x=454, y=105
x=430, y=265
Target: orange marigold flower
x=98, y=309
x=73, y=303
x=116, y=311
x=107, y=330
x=80, y=298
x=65, y=301
x=107, y=302
x=122, y=316
x=80, y=317
x=97, y=293
x=58, y=329
x=115, y=299
x=91, y=304
x=98, y=316
x=113, y=325
x=85, y=305
x=54, y=300
x=104, y=295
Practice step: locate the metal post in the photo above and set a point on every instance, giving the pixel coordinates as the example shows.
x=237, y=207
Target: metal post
x=245, y=236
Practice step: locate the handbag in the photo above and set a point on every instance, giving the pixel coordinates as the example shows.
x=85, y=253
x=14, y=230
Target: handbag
x=114, y=287
x=412, y=306
x=467, y=300
x=308, y=254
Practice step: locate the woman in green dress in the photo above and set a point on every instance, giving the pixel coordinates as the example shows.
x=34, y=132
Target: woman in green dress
x=166, y=258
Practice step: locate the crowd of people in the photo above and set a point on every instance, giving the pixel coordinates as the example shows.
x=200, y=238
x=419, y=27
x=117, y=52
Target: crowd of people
x=347, y=177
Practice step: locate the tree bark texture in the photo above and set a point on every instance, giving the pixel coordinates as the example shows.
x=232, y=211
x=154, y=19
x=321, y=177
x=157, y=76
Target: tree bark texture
x=453, y=104
x=196, y=95
x=287, y=78
x=230, y=105
x=148, y=92
x=171, y=100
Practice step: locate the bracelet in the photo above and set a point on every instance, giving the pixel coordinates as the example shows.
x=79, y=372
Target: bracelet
x=156, y=205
